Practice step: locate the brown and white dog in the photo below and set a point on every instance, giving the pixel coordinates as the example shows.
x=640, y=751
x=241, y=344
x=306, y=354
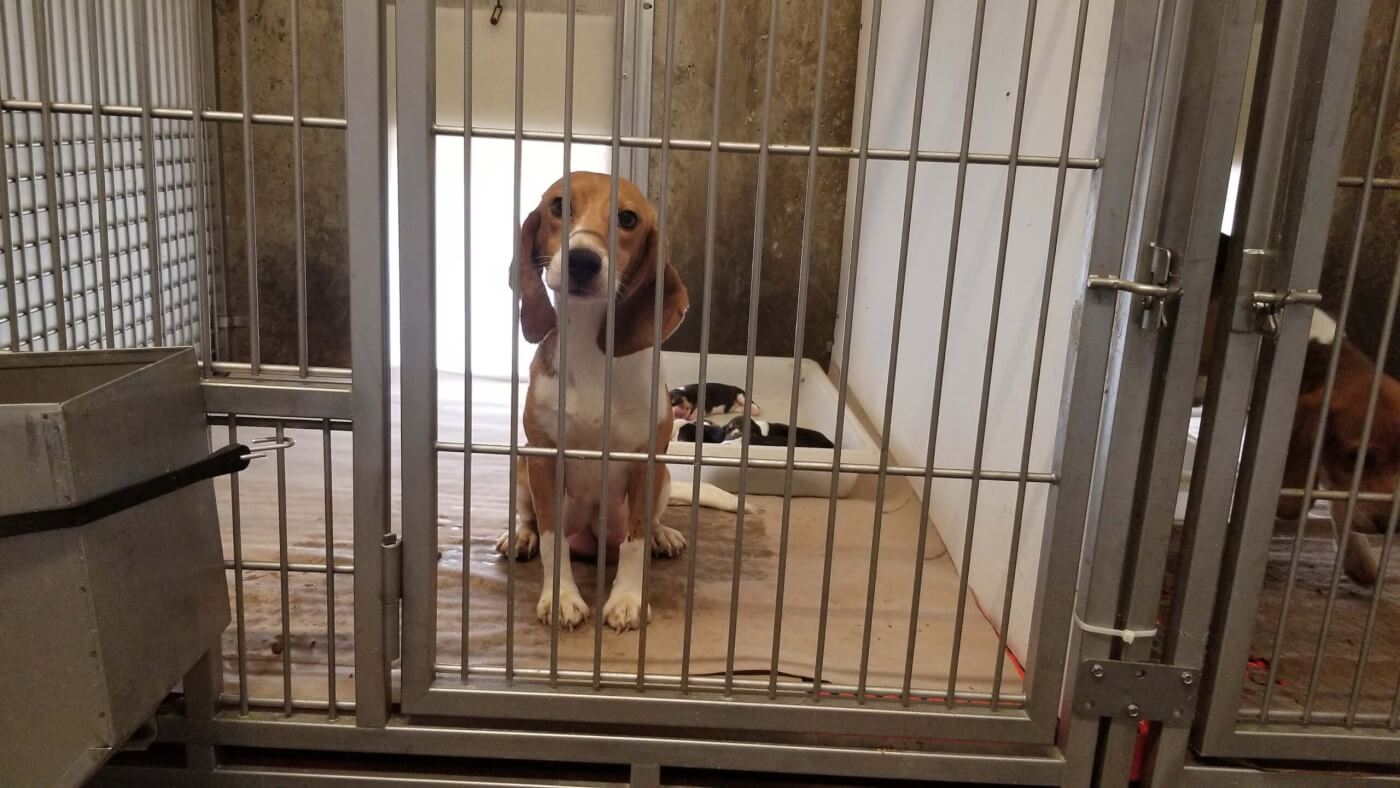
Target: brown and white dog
x=634, y=397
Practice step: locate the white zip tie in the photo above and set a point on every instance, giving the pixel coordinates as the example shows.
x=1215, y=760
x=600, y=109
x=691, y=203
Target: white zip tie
x=1126, y=635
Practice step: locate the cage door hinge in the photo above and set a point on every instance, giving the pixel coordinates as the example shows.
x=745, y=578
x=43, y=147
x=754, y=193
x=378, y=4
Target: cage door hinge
x=392, y=593
x=1153, y=295
x=1135, y=690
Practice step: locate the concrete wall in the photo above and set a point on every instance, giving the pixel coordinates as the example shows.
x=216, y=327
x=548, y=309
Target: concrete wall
x=270, y=88
x=745, y=40
x=1382, y=237
x=1027, y=261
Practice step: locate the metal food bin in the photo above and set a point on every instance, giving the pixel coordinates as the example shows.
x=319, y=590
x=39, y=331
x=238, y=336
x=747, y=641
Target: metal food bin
x=111, y=567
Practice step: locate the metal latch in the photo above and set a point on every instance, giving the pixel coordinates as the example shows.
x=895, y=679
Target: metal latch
x=1260, y=308
x=1266, y=306
x=1155, y=294
x=1135, y=690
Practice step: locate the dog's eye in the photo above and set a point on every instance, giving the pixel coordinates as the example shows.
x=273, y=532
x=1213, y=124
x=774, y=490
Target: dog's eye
x=627, y=220
x=556, y=207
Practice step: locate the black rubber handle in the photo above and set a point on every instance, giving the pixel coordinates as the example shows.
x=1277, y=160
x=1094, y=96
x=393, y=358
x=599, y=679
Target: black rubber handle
x=229, y=459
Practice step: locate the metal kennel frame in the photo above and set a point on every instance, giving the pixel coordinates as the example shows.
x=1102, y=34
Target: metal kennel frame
x=1171, y=99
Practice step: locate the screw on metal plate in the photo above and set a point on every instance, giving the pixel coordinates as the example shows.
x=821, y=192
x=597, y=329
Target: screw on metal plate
x=1096, y=671
x=1187, y=678
x=1133, y=710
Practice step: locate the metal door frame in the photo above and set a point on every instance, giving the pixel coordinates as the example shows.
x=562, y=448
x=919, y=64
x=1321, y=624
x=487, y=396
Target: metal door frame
x=1116, y=225
x=1287, y=193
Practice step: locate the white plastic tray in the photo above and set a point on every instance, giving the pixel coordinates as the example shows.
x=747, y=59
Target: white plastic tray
x=772, y=379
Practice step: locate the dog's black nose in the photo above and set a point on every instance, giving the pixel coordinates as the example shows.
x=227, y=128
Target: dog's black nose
x=584, y=264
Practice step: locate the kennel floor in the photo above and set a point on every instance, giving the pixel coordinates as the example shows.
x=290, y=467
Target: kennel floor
x=310, y=649
x=1341, y=651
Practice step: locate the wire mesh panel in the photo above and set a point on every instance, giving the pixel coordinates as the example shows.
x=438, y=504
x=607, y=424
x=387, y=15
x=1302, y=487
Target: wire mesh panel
x=104, y=220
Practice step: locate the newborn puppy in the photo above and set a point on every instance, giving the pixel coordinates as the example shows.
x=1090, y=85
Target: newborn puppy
x=772, y=433
x=719, y=398
x=710, y=432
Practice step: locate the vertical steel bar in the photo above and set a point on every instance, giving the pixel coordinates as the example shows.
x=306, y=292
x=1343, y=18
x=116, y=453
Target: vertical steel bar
x=609, y=343
x=217, y=240
x=283, y=578
x=651, y=503
x=239, y=606
x=104, y=246
x=561, y=361
x=843, y=388
x=298, y=191
x=911, y=174
x=201, y=201
x=515, y=263
x=1369, y=632
x=1349, y=515
x=1033, y=395
x=1367, y=189
x=979, y=447
x=755, y=286
x=711, y=212
x=415, y=36
x=6, y=238
x=250, y=252
x=148, y=170
x=366, y=157
x=40, y=340
x=60, y=82
x=799, y=335
x=51, y=174
x=331, y=710
x=467, y=50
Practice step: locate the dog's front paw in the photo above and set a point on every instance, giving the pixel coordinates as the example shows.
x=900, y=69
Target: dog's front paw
x=667, y=541
x=572, y=609
x=527, y=543
x=623, y=610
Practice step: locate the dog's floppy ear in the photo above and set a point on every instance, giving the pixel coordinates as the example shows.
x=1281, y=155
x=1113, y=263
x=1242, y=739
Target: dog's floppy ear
x=636, y=309
x=537, y=316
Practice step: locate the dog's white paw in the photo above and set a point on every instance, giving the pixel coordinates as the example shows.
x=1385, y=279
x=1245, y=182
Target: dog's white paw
x=572, y=609
x=527, y=543
x=623, y=610
x=667, y=541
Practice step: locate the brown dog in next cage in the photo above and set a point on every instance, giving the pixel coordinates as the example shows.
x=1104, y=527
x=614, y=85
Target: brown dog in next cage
x=1345, y=446
x=641, y=415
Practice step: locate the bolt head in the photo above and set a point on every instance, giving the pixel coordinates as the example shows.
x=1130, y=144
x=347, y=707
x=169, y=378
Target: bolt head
x=1096, y=670
x=1134, y=710
x=1187, y=678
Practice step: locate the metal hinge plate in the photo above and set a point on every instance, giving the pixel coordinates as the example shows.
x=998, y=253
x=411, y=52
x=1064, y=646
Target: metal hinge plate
x=1135, y=690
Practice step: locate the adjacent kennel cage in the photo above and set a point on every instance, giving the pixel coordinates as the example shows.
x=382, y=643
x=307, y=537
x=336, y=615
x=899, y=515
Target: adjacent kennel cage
x=124, y=166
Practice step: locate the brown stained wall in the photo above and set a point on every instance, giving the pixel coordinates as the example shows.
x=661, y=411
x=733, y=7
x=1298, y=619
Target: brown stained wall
x=323, y=150
x=1381, y=240
x=794, y=83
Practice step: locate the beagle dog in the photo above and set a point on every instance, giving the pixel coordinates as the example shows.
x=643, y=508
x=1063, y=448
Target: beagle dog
x=582, y=357
x=1341, y=445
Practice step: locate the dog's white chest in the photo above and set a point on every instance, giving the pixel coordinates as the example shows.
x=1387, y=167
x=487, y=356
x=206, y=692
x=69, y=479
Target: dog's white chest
x=628, y=408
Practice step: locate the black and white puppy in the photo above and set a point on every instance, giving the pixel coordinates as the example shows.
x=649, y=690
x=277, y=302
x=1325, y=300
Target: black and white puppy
x=709, y=431
x=719, y=398
x=772, y=433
